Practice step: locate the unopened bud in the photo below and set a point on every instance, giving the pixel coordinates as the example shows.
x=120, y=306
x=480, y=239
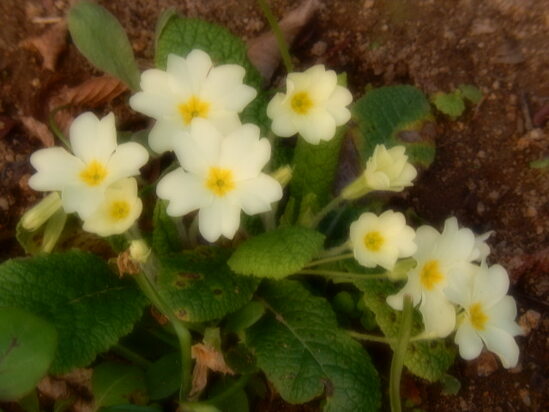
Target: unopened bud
x=41, y=212
x=53, y=230
x=355, y=189
x=282, y=175
x=139, y=251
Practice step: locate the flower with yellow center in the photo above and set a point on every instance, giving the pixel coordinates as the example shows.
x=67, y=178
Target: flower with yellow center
x=191, y=88
x=488, y=314
x=119, y=210
x=439, y=256
x=381, y=240
x=97, y=163
x=313, y=105
x=220, y=175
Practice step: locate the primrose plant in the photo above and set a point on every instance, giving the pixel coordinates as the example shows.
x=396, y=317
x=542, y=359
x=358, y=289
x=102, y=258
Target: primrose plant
x=240, y=263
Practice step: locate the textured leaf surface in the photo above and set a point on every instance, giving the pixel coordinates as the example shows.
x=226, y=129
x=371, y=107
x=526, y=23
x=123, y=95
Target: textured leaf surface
x=305, y=355
x=27, y=349
x=383, y=114
x=164, y=376
x=278, y=253
x=77, y=292
x=165, y=237
x=199, y=286
x=451, y=104
x=429, y=359
x=471, y=93
x=117, y=384
x=103, y=41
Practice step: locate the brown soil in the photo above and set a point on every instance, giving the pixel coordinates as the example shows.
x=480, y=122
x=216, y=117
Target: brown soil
x=481, y=173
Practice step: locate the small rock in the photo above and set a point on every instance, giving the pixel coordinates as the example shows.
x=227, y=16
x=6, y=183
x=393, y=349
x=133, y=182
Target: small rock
x=486, y=364
x=530, y=320
x=530, y=211
x=4, y=205
x=525, y=397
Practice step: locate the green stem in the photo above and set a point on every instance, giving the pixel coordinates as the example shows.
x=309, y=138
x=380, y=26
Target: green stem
x=130, y=355
x=334, y=203
x=55, y=129
x=336, y=274
x=279, y=36
x=336, y=250
x=329, y=259
x=369, y=338
x=398, y=355
x=230, y=391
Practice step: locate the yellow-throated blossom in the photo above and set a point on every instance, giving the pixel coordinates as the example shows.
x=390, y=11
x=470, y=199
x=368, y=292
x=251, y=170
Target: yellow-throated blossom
x=119, y=210
x=488, y=314
x=191, y=88
x=381, y=240
x=97, y=162
x=220, y=175
x=313, y=105
x=439, y=257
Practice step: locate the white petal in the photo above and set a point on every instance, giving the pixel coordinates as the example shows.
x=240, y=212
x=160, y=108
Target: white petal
x=502, y=344
x=256, y=195
x=503, y=314
x=159, y=82
x=220, y=218
x=317, y=126
x=460, y=285
x=156, y=105
x=439, y=315
x=225, y=87
x=411, y=288
x=163, y=134
x=225, y=121
x=469, y=342
x=126, y=161
x=490, y=285
x=190, y=72
x=201, y=150
x=284, y=126
x=322, y=83
x=276, y=106
x=93, y=139
x=185, y=192
x=426, y=239
x=82, y=199
x=56, y=168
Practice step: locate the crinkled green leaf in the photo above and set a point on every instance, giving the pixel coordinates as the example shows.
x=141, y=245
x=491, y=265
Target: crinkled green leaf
x=118, y=384
x=304, y=354
x=244, y=317
x=429, y=359
x=394, y=115
x=471, y=93
x=165, y=239
x=77, y=292
x=278, y=253
x=103, y=41
x=199, y=286
x=451, y=104
x=27, y=349
x=164, y=376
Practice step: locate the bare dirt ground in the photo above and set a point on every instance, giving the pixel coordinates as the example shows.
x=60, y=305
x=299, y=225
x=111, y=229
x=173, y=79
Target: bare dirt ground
x=482, y=171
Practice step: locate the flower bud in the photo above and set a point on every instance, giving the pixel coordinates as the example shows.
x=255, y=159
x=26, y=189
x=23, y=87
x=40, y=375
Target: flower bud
x=41, y=212
x=355, y=189
x=53, y=230
x=139, y=251
x=389, y=169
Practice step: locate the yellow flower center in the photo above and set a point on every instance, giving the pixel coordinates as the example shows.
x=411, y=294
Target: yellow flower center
x=431, y=275
x=220, y=181
x=194, y=107
x=373, y=241
x=94, y=173
x=301, y=103
x=119, y=210
x=478, y=316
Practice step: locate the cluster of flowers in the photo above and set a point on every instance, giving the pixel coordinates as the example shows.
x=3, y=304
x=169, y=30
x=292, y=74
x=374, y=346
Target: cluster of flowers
x=451, y=282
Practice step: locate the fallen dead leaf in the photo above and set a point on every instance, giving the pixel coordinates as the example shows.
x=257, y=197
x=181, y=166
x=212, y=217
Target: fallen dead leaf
x=74, y=386
x=49, y=44
x=207, y=358
x=263, y=50
x=38, y=130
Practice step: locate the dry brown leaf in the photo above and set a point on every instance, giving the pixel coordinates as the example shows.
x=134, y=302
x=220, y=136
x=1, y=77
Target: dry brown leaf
x=49, y=44
x=38, y=130
x=207, y=358
x=126, y=265
x=74, y=385
x=93, y=92
x=263, y=50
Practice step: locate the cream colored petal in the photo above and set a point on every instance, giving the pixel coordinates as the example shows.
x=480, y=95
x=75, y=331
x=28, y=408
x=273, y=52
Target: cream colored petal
x=163, y=134
x=502, y=344
x=184, y=192
x=503, y=314
x=126, y=161
x=202, y=149
x=469, y=342
x=439, y=315
x=226, y=121
x=337, y=105
x=426, y=240
x=56, y=168
x=411, y=288
x=323, y=83
x=200, y=66
x=490, y=284
x=283, y=126
x=155, y=81
x=82, y=199
x=156, y=105
x=102, y=224
x=459, y=289
x=220, y=218
x=93, y=139
x=257, y=195
x=277, y=107
x=224, y=86
x=315, y=127
x=377, y=180
x=230, y=220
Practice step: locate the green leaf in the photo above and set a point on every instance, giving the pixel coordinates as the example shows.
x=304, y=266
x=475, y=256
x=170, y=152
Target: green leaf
x=278, y=253
x=304, y=354
x=387, y=114
x=164, y=376
x=315, y=168
x=237, y=402
x=181, y=35
x=27, y=349
x=429, y=359
x=540, y=163
x=451, y=104
x=117, y=384
x=103, y=41
x=471, y=93
x=199, y=286
x=244, y=317
x=165, y=239
x=77, y=292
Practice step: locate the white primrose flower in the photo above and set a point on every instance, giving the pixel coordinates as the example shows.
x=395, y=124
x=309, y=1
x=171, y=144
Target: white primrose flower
x=97, y=162
x=191, y=88
x=314, y=104
x=220, y=175
x=381, y=240
x=489, y=314
x=438, y=256
x=119, y=210
x=389, y=169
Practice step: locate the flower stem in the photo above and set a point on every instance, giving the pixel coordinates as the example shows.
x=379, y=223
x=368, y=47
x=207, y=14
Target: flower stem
x=55, y=129
x=336, y=250
x=279, y=36
x=336, y=274
x=398, y=355
x=334, y=203
x=130, y=355
x=329, y=259
x=369, y=338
